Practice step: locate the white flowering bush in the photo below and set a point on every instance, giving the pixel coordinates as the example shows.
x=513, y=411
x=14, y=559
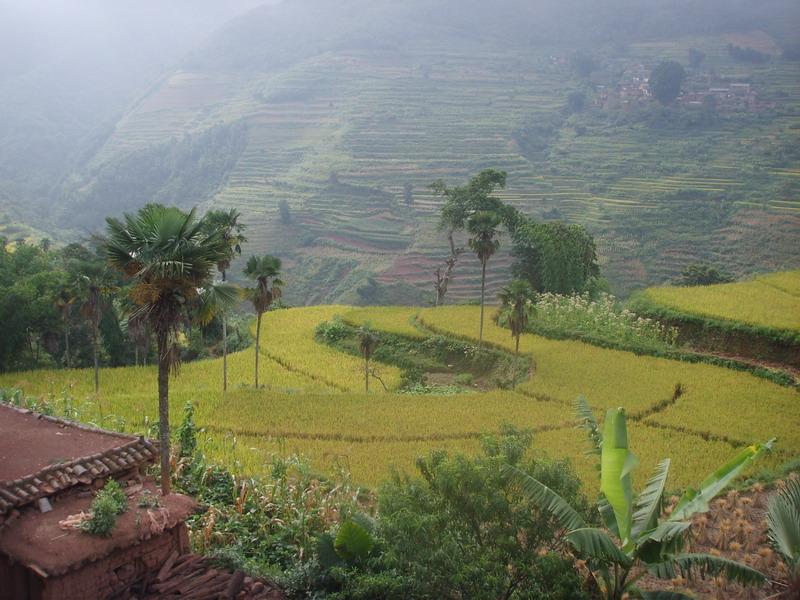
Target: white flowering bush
x=599, y=318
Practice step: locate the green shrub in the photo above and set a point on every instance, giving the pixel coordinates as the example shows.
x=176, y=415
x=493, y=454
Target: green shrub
x=103, y=519
x=107, y=504
x=464, y=530
x=580, y=316
x=187, y=432
x=464, y=379
x=332, y=331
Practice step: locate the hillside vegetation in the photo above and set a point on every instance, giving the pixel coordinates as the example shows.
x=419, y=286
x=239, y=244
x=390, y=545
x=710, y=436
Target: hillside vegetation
x=350, y=117
x=314, y=405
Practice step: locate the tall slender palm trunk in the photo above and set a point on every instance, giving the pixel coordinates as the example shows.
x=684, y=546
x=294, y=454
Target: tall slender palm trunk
x=258, y=344
x=95, y=341
x=224, y=354
x=224, y=345
x=483, y=291
x=366, y=374
x=163, y=412
x=66, y=342
x=516, y=351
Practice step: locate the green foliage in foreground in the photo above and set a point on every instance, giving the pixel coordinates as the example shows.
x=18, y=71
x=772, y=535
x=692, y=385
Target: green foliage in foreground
x=641, y=537
x=783, y=521
x=461, y=529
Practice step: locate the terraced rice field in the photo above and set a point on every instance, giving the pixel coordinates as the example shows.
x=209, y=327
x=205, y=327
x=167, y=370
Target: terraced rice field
x=771, y=301
x=339, y=135
x=313, y=404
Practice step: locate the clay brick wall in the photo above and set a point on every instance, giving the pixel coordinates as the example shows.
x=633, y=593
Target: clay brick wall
x=98, y=579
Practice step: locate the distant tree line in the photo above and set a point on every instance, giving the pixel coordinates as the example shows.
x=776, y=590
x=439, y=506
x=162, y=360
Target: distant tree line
x=746, y=54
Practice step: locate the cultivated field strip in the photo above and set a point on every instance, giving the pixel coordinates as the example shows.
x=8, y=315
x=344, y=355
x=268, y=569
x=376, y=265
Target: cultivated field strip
x=716, y=402
x=771, y=301
x=314, y=405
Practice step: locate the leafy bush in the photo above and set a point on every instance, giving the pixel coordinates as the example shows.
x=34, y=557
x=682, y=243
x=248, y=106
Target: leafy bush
x=187, y=432
x=463, y=530
x=332, y=331
x=107, y=504
x=601, y=318
x=464, y=379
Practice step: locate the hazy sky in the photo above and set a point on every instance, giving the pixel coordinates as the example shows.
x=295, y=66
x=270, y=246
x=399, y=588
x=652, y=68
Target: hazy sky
x=39, y=31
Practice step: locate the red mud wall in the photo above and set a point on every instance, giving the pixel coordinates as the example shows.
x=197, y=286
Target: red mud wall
x=98, y=579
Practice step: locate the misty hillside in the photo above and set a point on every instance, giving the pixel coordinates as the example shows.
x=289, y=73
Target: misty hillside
x=348, y=110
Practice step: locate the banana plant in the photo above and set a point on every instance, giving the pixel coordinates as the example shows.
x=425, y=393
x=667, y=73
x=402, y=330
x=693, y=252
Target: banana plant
x=783, y=523
x=638, y=537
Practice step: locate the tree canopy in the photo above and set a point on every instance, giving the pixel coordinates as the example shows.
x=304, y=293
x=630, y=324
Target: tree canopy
x=666, y=79
x=555, y=257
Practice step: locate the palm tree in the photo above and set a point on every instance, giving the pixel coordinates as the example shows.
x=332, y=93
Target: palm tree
x=227, y=223
x=64, y=301
x=169, y=255
x=217, y=300
x=483, y=226
x=93, y=288
x=783, y=522
x=643, y=539
x=368, y=341
x=136, y=326
x=265, y=271
x=517, y=307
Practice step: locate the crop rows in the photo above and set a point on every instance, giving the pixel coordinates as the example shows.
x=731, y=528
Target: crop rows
x=565, y=370
x=304, y=410
x=770, y=300
x=376, y=121
x=288, y=339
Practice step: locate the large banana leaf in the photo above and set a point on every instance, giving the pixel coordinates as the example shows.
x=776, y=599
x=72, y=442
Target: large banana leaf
x=596, y=544
x=616, y=464
x=546, y=499
x=705, y=565
x=783, y=519
x=668, y=531
x=649, y=501
x=665, y=540
x=694, y=501
x=607, y=514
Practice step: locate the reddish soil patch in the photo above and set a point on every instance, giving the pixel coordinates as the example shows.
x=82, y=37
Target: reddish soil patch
x=29, y=443
x=775, y=366
x=734, y=528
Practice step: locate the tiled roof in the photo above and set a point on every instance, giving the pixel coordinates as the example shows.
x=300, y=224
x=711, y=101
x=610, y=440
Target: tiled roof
x=131, y=452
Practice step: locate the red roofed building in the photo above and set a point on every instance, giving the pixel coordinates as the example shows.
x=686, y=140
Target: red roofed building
x=50, y=470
